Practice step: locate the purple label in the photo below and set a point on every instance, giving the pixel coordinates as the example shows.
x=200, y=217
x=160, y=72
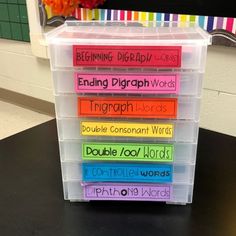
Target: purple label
x=134, y=192
x=127, y=83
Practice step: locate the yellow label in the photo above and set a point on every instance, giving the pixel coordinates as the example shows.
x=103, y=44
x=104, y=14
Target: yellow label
x=90, y=128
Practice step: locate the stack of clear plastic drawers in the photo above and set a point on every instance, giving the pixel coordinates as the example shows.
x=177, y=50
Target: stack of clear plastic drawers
x=127, y=99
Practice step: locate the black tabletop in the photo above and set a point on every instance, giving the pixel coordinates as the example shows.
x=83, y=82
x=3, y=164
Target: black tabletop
x=31, y=197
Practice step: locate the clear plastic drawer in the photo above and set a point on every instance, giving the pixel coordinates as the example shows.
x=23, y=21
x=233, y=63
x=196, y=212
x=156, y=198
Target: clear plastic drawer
x=169, y=193
x=125, y=130
x=144, y=44
x=78, y=150
x=98, y=82
x=128, y=172
x=175, y=108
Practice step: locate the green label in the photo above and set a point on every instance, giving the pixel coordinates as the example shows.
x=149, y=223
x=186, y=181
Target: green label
x=128, y=152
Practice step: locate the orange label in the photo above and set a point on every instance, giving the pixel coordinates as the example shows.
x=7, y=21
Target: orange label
x=127, y=107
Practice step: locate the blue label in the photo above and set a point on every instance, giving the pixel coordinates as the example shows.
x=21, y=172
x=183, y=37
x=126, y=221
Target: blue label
x=127, y=172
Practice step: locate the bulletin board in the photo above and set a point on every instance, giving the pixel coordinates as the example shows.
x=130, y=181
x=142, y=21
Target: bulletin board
x=218, y=19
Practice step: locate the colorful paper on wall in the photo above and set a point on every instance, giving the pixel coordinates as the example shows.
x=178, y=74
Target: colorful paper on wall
x=208, y=23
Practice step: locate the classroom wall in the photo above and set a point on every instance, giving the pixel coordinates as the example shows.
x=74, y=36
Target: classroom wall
x=22, y=72
x=218, y=111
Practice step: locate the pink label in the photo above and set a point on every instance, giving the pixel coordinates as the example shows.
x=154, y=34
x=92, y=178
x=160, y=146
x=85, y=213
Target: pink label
x=134, y=192
x=127, y=56
x=127, y=83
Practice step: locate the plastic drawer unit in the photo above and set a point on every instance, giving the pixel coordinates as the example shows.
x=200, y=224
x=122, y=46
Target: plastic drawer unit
x=127, y=100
